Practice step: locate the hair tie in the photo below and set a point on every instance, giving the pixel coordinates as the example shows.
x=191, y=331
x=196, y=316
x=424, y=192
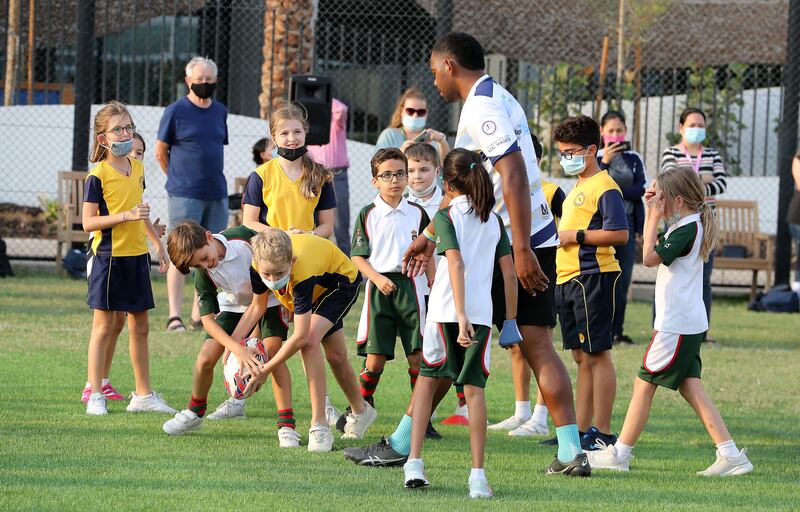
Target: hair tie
x=472, y=165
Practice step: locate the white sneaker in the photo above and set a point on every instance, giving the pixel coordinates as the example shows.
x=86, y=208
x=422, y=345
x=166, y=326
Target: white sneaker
x=320, y=439
x=149, y=403
x=508, y=424
x=358, y=424
x=479, y=488
x=184, y=421
x=288, y=437
x=530, y=428
x=607, y=458
x=729, y=466
x=96, y=406
x=228, y=410
x=331, y=413
x=414, y=474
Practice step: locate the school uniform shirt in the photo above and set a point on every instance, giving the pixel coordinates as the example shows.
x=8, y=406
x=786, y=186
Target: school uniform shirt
x=627, y=169
x=480, y=244
x=493, y=123
x=594, y=203
x=320, y=266
x=431, y=205
x=382, y=233
x=679, y=282
x=710, y=164
x=231, y=277
x=279, y=199
x=114, y=193
x=555, y=198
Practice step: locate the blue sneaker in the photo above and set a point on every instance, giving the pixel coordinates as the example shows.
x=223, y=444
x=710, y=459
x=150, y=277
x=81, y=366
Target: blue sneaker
x=594, y=440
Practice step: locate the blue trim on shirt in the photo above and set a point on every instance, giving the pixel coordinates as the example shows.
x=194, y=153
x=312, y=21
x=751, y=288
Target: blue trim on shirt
x=485, y=88
x=512, y=148
x=543, y=235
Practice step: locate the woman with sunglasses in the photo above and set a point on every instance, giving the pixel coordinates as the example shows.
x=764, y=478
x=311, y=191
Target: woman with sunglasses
x=407, y=125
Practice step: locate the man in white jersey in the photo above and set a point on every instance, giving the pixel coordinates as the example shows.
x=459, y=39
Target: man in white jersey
x=494, y=124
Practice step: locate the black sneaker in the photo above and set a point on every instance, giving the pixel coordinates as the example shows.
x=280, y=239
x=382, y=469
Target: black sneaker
x=578, y=467
x=378, y=455
x=432, y=433
x=553, y=441
x=594, y=440
x=623, y=339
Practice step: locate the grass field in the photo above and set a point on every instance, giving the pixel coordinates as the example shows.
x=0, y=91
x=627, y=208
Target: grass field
x=54, y=457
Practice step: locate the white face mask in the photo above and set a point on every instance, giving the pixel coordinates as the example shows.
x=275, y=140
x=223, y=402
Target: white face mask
x=280, y=283
x=414, y=124
x=423, y=193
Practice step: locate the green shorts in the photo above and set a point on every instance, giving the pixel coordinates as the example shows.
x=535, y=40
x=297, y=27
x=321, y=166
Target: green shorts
x=443, y=357
x=672, y=358
x=385, y=317
x=274, y=323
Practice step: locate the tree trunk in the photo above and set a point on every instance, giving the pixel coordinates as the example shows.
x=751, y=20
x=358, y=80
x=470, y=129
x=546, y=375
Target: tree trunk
x=601, y=85
x=12, y=45
x=620, y=52
x=288, y=49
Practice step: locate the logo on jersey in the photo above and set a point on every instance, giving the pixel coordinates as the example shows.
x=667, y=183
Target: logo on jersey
x=579, y=199
x=359, y=239
x=580, y=337
x=489, y=127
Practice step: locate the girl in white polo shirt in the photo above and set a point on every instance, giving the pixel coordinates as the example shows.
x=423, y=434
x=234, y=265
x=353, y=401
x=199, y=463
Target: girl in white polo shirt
x=673, y=358
x=458, y=327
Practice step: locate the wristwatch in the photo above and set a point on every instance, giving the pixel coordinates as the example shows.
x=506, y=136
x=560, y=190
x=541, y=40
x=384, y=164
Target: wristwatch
x=580, y=236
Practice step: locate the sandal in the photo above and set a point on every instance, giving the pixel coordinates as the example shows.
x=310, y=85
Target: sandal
x=175, y=327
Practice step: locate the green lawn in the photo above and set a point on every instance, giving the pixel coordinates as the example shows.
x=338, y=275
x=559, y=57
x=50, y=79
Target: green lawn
x=54, y=457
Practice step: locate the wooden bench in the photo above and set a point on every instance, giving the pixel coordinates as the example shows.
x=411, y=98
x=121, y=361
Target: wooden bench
x=70, y=205
x=738, y=230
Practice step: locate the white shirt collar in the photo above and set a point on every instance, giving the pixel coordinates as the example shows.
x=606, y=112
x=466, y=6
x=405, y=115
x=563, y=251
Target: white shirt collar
x=384, y=209
x=460, y=199
x=695, y=217
x=230, y=252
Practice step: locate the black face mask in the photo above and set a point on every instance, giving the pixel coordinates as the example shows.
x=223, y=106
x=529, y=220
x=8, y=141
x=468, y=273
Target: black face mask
x=292, y=154
x=204, y=90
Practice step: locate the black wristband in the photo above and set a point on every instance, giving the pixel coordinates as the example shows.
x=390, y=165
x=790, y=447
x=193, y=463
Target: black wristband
x=580, y=236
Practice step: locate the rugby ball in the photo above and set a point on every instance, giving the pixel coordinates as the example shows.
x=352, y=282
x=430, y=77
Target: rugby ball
x=234, y=381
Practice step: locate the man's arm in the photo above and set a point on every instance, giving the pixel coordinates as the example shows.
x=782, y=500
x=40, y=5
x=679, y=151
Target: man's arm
x=162, y=155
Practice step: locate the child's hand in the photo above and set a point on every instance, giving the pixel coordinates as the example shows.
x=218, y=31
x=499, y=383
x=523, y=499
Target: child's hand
x=466, y=333
x=139, y=212
x=247, y=359
x=567, y=237
x=385, y=285
x=163, y=260
x=255, y=383
x=295, y=231
x=510, y=335
x=649, y=193
x=159, y=228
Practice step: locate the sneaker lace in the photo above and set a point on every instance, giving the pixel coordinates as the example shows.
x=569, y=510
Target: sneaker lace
x=599, y=442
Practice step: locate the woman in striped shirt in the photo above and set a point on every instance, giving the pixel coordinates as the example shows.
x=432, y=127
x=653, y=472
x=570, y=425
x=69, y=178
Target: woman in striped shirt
x=707, y=162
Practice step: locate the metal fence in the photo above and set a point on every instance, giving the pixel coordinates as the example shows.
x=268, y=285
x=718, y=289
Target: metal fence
x=557, y=57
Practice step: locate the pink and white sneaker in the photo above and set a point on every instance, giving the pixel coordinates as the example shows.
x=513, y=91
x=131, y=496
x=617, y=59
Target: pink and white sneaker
x=87, y=392
x=111, y=393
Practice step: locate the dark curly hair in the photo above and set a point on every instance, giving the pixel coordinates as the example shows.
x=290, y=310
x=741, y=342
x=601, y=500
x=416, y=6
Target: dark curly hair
x=581, y=130
x=385, y=154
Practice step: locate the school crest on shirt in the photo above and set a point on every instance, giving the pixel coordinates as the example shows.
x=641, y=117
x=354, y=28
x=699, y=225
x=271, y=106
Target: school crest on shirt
x=581, y=337
x=359, y=238
x=579, y=199
x=489, y=127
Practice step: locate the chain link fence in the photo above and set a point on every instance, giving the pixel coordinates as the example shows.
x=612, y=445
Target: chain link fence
x=558, y=57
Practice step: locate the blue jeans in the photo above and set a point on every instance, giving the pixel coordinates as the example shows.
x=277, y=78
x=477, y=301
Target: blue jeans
x=794, y=229
x=212, y=214
x=626, y=254
x=341, y=224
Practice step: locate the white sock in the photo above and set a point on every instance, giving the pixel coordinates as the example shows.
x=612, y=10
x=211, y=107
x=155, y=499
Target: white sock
x=623, y=450
x=540, y=414
x=327, y=401
x=88, y=385
x=105, y=381
x=522, y=410
x=478, y=473
x=728, y=449
x=238, y=402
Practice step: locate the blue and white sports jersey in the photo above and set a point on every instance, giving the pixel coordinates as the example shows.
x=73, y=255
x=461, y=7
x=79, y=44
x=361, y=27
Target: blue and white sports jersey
x=493, y=123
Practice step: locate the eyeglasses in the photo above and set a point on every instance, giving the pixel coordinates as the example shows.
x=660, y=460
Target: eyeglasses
x=416, y=112
x=388, y=177
x=119, y=130
x=567, y=155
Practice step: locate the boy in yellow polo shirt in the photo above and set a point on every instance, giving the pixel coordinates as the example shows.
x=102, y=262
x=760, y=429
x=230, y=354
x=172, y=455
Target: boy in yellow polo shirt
x=312, y=278
x=593, y=221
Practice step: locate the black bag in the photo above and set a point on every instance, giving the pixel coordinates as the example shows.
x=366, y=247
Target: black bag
x=5, y=264
x=780, y=299
x=75, y=264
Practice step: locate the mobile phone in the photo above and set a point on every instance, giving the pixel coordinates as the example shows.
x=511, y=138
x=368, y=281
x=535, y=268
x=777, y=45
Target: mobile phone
x=422, y=137
x=625, y=145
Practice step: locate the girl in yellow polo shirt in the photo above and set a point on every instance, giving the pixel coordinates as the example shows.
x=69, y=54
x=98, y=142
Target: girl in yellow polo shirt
x=119, y=268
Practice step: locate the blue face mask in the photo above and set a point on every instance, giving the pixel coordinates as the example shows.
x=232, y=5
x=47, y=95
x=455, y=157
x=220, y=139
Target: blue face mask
x=121, y=148
x=275, y=152
x=694, y=135
x=573, y=166
x=413, y=124
x=673, y=219
x=279, y=284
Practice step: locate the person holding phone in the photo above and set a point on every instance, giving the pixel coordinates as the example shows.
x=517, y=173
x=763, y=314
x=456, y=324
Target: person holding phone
x=626, y=167
x=408, y=125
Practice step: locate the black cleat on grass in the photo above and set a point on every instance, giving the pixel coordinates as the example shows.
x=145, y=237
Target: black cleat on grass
x=579, y=466
x=378, y=455
x=432, y=433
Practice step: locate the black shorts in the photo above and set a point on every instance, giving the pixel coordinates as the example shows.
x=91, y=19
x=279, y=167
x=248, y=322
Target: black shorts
x=586, y=311
x=336, y=302
x=539, y=309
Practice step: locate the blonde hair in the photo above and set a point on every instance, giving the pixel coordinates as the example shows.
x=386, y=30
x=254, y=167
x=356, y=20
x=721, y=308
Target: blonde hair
x=102, y=120
x=397, y=116
x=685, y=183
x=182, y=242
x=314, y=175
x=273, y=245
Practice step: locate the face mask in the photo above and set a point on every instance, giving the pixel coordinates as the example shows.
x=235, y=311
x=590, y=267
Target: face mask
x=574, y=166
x=292, y=154
x=694, y=135
x=274, y=151
x=413, y=124
x=121, y=148
x=610, y=139
x=279, y=284
x=203, y=90
x=672, y=219
x=423, y=193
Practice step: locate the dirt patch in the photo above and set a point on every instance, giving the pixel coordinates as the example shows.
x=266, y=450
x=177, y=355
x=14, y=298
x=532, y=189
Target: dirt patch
x=25, y=222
